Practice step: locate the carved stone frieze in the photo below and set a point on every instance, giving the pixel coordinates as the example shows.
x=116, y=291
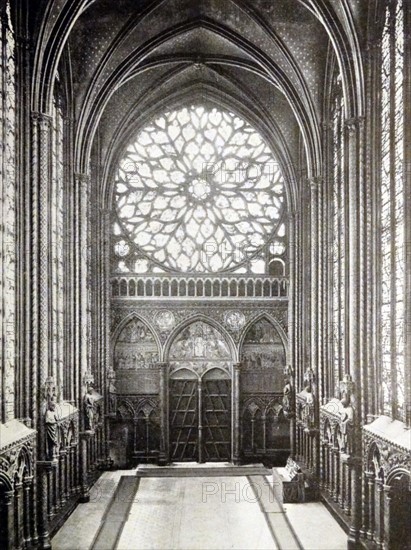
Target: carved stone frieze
x=130, y=407
x=17, y=444
x=150, y=313
x=258, y=402
x=386, y=447
x=201, y=367
x=337, y=416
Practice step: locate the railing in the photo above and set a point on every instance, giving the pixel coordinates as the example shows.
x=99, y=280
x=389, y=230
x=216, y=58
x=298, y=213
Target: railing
x=137, y=287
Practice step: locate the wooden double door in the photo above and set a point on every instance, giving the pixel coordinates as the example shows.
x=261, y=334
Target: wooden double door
x=200, y=416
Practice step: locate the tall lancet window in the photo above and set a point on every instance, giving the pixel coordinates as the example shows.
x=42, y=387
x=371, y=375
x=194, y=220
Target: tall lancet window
x=338, y=230
x=392, y=264
x=56, y=229
x=7, y=213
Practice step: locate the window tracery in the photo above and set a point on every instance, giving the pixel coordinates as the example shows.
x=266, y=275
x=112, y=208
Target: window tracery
x=198, y=191
x=7, y=211
x=338, y=229
x=57, y=235
x=392, y=266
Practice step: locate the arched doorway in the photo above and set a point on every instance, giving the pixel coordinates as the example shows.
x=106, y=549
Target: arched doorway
x=200, y=396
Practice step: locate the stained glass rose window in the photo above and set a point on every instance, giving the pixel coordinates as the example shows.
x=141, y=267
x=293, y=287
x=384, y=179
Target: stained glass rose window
x=199, y=191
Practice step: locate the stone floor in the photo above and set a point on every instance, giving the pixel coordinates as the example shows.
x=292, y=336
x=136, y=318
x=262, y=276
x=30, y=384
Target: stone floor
x=195, y=513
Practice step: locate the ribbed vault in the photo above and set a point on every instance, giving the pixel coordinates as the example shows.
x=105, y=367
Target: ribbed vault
x=135, y=55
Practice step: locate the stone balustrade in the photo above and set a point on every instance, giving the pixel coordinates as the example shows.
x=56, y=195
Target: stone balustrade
x=156, y=286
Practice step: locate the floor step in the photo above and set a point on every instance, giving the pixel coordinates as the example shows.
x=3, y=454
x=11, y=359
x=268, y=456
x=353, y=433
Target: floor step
x=116, y=514
x=201, y=470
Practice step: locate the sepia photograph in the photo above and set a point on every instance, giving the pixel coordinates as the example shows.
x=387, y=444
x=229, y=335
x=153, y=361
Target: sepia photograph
x=205, y=274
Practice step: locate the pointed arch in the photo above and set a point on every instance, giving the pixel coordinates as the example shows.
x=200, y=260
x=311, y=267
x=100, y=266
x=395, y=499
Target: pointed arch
x=344, y=39
x=261, y=64
x=398, y=471
x=265, y=316
x=126, y=410
x=124, y=322
x=5, y=480
x=207, y=320
x=54, y=31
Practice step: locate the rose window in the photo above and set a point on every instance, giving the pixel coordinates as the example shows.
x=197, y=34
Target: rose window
x=198, y=191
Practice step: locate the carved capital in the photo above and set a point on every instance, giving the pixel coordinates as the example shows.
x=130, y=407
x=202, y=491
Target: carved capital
x=23, y=42
x=46, y=465
x=68, y=122
x=8, y=497
x=28, y=482
x=315, y=183
x=49, y=389
x=88, y=379
x=85, y=436
x=353, y=125
x=82, y=179
x=42, y=120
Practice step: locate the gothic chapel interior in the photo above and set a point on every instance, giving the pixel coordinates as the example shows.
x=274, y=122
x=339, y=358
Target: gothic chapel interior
x=205, y=250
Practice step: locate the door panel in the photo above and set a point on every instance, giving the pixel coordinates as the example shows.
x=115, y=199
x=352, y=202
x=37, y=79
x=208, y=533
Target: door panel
x=184, y=420
x=216, y=417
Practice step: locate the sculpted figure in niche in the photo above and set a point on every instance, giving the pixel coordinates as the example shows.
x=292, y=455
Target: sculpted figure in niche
x=287, y=398
x=88, y=403
x=51, y=422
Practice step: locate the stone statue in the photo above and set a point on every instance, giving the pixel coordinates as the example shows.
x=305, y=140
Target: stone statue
x=51, y=422
x=288, y=398
x=88, y=403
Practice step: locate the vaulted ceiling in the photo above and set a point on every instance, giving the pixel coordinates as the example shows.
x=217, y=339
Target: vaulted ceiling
x=264, y=58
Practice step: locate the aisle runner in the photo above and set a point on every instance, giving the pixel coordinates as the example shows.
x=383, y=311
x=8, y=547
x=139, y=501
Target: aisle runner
x=196, y=513
x=116, y=514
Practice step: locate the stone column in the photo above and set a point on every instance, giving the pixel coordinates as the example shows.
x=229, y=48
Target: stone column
x=44, y=469
x=342, y=480
x=314, y=360
x=371, y=505
x=84, y=486
x=40, y=328
x=366, y=505
x=8, y=517
x=386, y=512
x=27, y=488
x=355, y=318
x=164, y=442
x=236, y=413
x=379, y=513
x=19, y=515
x=82, y=182
x=336, y=469
x=314, y=184
x=62, y=472
x=292, y=327
x=200, y=421
x=72, y=469
x=407, y=212
x=348, y=476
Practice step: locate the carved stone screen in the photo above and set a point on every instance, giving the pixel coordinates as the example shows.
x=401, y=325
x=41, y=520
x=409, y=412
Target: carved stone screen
x=264, y=430
x=135, y=355
x=263, y=359
x=200, y=347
